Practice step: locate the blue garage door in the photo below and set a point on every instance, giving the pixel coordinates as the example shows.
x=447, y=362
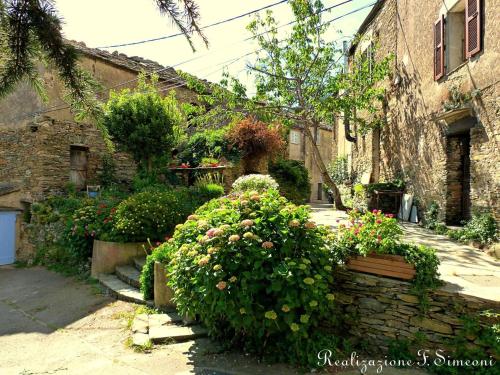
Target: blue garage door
x=7, y=237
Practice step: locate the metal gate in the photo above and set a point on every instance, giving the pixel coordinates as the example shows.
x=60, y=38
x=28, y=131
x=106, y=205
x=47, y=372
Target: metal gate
x=7, y=237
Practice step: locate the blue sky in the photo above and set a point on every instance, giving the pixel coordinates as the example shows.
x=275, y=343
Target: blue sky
x=101, y=23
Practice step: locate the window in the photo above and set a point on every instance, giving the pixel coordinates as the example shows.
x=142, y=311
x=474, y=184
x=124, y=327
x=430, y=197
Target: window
x=295, y=137
x=457, y=37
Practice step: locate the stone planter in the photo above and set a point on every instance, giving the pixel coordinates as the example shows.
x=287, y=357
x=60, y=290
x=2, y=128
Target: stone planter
x=107, y=255
x=162, y=293
x=394, y=266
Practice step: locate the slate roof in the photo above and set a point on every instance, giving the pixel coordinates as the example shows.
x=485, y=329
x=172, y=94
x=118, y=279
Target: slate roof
x=132, y=63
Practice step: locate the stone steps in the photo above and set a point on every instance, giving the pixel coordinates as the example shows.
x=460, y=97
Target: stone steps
x=139, y=263
x=123, y=291
x=163, y=328
x=129, y=275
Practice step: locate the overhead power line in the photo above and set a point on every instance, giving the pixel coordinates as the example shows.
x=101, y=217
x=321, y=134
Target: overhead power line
x=178, y=81
x=201, y=28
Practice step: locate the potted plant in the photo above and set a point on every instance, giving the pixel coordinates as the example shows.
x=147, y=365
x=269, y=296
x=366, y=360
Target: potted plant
x=373, y=239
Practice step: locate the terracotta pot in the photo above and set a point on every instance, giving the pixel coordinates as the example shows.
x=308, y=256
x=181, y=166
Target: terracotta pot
x=383, y=265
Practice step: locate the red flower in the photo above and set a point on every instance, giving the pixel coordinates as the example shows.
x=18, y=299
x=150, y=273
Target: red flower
x=390, y=216
x=379, y=238
x=378, y=221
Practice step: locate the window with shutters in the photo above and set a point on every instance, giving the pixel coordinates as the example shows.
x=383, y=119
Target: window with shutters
x=439, y=48
x=455, y=36
x=473, y=32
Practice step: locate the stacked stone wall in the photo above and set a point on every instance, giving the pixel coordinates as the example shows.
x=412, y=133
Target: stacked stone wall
x=381, y=310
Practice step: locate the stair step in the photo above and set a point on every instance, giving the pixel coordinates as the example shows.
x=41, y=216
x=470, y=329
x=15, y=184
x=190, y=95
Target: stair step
x=129, y=275
x=166, y=333
x=123, y=291
x=139, y=263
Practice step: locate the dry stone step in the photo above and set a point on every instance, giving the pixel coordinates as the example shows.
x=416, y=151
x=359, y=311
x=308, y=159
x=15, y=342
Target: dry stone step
x=139, y=263
x=123, y=291
x=129, y=275
x=166, y=333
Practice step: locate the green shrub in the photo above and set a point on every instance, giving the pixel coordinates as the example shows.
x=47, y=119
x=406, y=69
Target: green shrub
x=159, y=254
x=431, y=216
x=148, y=215
x=190, y=199
x=481, y=228
x=143, y=121
x=254, y=182
x=208, y=192
x=395, y=185
x=211, y=143
x=292, y=178
x=258, y=273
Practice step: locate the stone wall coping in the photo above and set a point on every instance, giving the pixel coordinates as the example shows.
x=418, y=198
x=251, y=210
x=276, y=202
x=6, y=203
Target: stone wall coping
x=448, y=289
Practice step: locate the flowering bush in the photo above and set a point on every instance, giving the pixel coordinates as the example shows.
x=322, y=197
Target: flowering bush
x=148, y=215
x=370, y=232
x=374, y=232
x=257, y=182
x=257, y=271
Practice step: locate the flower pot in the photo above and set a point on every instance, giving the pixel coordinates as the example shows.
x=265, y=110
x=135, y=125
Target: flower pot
x=394, y=266
x=106, y=256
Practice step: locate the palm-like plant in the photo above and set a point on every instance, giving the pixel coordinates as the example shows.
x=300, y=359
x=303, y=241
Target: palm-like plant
x=30, y=32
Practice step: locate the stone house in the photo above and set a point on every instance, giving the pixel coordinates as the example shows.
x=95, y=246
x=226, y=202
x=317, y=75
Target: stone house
x=441, y=131
x=299, y=148
x=42, y=147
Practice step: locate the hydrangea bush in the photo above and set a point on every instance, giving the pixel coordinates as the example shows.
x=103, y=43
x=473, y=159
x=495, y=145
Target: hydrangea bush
x=257, y=272
x=257, y=182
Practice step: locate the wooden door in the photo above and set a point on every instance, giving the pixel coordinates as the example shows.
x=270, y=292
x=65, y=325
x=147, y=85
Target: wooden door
x=78, y=166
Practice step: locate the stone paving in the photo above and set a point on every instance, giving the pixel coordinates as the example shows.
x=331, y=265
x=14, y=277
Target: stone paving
x=465, y=269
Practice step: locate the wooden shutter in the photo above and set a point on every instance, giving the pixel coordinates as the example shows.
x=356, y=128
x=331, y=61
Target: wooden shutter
x=472, y=27
x=439, y=48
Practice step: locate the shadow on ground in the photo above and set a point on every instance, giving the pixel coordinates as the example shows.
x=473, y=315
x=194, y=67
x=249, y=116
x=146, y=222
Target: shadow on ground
x=38, y=300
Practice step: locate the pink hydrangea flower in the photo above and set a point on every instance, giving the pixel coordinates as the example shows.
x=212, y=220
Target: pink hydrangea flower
x=221, y=285
x=267, y=245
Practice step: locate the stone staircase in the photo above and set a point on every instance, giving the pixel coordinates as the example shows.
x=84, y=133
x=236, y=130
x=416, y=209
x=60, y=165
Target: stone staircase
x=163, y=328
x=124, y=284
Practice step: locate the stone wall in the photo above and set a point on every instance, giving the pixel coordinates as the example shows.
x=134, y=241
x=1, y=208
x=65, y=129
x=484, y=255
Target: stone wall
x=36, y=157
x=413, y=142
x=381, y=310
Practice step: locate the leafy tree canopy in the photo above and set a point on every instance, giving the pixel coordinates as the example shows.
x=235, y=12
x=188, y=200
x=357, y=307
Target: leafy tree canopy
x=143, y=122
x=301, y=79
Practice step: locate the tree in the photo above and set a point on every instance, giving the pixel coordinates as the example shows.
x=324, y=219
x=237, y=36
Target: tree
x=143, y=122
x=30, y=32
x=301, y=79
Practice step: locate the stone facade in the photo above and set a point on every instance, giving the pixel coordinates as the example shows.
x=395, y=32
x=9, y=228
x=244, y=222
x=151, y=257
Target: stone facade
x=36, y=137
x=381, y=310
x=36, y=158
x=300, y=148
x=418, y=132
